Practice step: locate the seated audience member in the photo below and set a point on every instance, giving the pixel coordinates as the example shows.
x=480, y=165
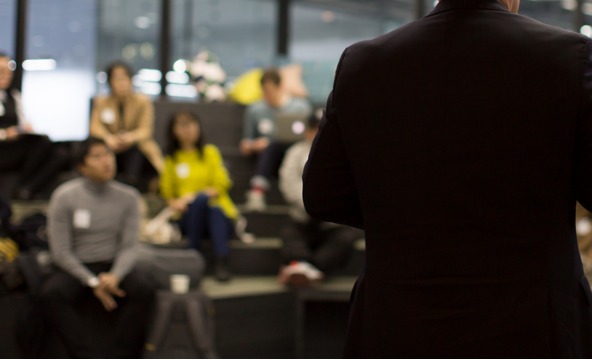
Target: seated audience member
x=93, y=238
x=125, y=120
x=22, y=150
x=195, y=183
x=258, y=140
x=311, y=247
x=584, y=234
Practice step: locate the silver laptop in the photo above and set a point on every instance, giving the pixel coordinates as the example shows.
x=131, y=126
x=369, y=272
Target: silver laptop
x=289, y=127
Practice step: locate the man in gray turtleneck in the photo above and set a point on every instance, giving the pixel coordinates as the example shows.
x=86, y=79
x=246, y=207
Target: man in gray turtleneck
x=93, y=234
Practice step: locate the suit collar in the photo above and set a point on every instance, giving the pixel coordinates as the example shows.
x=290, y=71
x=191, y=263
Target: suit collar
x=446, y=5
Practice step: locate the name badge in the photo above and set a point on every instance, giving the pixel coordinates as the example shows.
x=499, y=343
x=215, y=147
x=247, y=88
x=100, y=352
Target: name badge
x=182, y=170
x=265, y=126
x=81, y=219
x=108, y=116
x=2, y=109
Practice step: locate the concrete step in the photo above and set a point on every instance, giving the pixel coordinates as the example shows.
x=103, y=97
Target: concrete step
x=263, y=257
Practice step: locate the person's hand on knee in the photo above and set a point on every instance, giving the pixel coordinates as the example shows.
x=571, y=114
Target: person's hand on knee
x=111, y=283
x=105, y=298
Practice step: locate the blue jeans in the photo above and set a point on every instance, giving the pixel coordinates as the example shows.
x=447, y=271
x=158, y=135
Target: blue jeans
x=201, y=220
x=268, y=164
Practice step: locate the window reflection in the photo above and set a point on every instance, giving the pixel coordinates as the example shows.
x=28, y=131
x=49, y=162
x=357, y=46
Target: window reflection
x=7, y=26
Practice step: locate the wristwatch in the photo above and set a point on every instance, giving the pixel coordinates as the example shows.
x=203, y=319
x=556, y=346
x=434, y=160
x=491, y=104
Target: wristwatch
x=93, y=282
x=3, y=134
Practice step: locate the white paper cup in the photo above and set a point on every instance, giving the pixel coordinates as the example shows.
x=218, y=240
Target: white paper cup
x=180, y=283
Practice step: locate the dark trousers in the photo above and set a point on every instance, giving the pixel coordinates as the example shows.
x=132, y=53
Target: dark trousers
x=270, y=160
x=34, y=157
x=201, y=220
x=130, y=164
x=117, y=334
x=325, y=246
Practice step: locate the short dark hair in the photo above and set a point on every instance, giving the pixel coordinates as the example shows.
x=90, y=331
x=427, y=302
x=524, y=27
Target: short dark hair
x=271, y=75
x=82, y=149
x=118, y=64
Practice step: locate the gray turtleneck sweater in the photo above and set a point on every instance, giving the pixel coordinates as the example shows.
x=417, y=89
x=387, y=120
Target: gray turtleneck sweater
x=90, y=222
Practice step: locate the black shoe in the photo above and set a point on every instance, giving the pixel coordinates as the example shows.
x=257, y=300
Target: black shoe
x=222, y=270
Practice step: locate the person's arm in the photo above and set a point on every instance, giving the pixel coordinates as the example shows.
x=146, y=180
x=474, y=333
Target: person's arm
x=329, y=188
x=126, y=257
x=145, y=122
x=246, y=144
x=168, y=187
x=290, y=182
x=23, y=124
x=97, y=127
x=221, y=181
x=167, y=180
x=59, y=221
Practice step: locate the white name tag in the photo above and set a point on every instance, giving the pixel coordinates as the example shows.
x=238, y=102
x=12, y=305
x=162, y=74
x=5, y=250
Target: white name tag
x=81, y=219
x=182, y=170
x=265, y=126
x=2, y=109
x=108, y=116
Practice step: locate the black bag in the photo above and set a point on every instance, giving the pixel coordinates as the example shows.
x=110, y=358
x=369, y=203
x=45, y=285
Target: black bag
x=35, y=265
x=32, y=231
x=183, y=327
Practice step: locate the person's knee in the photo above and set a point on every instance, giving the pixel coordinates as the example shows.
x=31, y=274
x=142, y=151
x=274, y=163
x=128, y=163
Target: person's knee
x=139, y=285
x=201, y=201
x=58, y=289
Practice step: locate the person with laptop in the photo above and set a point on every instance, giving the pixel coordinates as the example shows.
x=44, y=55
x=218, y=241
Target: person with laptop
x=260, y=134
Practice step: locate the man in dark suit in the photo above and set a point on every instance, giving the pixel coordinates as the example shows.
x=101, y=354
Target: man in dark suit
x=460, y=143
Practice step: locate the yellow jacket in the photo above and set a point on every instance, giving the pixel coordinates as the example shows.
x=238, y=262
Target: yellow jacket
x=187, y=174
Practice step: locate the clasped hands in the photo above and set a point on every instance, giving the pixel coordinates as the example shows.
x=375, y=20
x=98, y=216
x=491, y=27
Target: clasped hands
x=119, y=142
x=106, y=290
x=180, y=204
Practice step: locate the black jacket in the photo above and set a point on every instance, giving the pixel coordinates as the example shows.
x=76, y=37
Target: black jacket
x=460, y=143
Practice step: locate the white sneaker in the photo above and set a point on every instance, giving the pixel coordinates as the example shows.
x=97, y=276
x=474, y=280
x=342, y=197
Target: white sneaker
x=255, y=201
x=299, y=274
x=240, y=228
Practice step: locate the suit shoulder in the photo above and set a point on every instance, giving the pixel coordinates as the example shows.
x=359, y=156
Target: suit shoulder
x=378, y=42
x=556, y=32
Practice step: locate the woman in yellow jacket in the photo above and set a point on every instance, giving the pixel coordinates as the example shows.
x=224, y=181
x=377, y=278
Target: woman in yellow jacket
x=195, y=183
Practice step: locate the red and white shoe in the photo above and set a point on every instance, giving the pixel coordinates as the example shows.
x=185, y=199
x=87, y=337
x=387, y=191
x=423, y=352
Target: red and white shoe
x=299, y=274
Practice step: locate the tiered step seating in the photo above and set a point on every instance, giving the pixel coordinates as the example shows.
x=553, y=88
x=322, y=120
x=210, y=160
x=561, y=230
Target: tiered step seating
x=256, y=317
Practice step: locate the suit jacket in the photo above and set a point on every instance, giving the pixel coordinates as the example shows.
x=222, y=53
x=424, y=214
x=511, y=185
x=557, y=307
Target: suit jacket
x=460, y=144
x=138, y=119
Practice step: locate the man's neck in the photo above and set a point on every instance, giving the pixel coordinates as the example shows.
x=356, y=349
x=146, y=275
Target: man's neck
x=280, y=102
x=96, y=185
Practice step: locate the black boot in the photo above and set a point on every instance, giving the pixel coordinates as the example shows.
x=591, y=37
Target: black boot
x=222, y=269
